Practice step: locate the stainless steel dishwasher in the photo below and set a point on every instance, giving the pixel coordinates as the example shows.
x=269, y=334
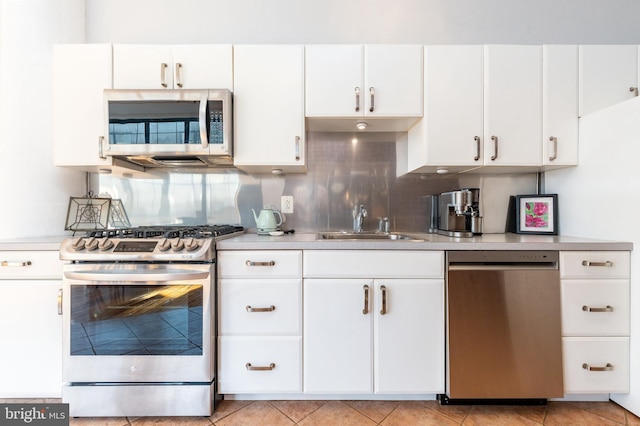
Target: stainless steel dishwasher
x=503, y=327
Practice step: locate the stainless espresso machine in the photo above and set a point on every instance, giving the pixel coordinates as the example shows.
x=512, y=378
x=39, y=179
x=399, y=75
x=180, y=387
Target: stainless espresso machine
x=456, y=213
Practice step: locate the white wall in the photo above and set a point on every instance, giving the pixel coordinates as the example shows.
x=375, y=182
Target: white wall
x=34, y=194
x=364, y=21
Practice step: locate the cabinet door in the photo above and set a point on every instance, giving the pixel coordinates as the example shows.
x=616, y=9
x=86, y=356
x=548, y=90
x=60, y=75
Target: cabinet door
x=81, y=72
x=513, y=105
x=31, y=335
x=338, y=335
x=268, y=106
x=560, y=105
x=393, y=80
x=142, y=66
x=333, y=80
x=203, y=66
x=409, y=336
x=451, y=132
x=607, y=72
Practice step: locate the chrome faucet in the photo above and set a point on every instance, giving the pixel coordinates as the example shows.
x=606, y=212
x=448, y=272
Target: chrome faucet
x=359, y=213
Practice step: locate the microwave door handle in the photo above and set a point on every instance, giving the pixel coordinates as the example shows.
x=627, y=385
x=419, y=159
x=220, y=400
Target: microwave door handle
x=204, y=137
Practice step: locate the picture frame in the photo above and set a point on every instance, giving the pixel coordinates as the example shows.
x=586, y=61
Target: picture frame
x=87, y=213
x=537, y=214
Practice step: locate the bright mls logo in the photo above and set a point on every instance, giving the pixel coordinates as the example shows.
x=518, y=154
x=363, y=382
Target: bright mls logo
x=34, y=414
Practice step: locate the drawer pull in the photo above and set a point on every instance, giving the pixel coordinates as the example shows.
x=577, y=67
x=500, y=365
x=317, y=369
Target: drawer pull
x=607, y=263
x=250, y=263
x=590, y=309
x=260, y=368
x=607, y=367
x=269, y=309
x=15, y=264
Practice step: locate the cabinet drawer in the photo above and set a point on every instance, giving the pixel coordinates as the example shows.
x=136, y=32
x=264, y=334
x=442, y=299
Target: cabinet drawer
x=30, y=265
x=594, y=264
x=595, y=307
x=373, y=264
x=263, y=264
x=253, y=306
x=277, y=363
x=582, y=353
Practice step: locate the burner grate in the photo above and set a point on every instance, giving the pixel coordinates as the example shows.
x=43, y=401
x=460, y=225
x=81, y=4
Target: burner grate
x=170, y=231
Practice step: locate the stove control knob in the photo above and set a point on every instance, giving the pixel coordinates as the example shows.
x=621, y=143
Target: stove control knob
x=78, y=244
x=91, y=244
x=164, y=245
x=105, y=244
x=177, y=245
x=192, y=244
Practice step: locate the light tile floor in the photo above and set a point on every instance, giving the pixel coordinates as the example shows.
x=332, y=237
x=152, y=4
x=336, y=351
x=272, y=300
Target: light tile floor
x=384, y=413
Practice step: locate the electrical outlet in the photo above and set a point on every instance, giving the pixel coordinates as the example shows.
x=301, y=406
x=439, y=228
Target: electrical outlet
x=286, y=204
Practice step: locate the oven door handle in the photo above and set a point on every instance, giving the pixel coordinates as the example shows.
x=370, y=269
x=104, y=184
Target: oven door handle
x=132, y=276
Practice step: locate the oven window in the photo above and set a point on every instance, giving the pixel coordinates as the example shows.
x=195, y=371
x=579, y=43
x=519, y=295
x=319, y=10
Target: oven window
x=136, y=320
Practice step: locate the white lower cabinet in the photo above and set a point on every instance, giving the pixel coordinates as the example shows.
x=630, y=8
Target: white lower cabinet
x=31, y=333
x=595, y=321
x=260, y=321
x=380, y=334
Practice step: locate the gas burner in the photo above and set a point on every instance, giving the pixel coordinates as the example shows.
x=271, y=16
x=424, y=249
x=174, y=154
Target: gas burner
x=168, y=231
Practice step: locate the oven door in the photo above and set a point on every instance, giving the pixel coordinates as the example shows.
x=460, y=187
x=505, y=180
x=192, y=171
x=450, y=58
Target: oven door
x=138, y=323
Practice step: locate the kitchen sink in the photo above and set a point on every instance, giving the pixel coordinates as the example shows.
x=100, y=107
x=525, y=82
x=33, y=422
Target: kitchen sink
x=378, y=236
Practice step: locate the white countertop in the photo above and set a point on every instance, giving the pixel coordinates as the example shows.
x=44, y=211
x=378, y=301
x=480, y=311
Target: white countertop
x=31, y=244
x=308, y=241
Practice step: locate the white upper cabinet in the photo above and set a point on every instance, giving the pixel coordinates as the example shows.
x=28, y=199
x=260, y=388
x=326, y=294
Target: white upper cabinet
x=356, y=81
x=172, y=67
x=559, y=105
x=513, y=105
x=608, y=75
x=269, y=130
x=450, y=135
x=81, y=72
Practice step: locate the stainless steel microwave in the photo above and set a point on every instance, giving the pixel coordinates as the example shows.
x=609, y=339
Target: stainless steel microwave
x=169, y=128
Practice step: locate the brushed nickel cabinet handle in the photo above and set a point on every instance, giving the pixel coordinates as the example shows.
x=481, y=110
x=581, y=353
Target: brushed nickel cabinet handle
x=495, y=148
x=60, y=302
x=269, y=309
x=101, y=148
x=607, y=367
x=373, y=96
x=365, y=311
x=357, y=99
x=383, y=290
x=8, y=264
x=634, y=90
x=297, y=148
x=260, y=368
x=251, y=263
x=163, y=70
x=606, y=263
x=477, y=139
x=178, y=74
x=554, y=141
x=590, y=309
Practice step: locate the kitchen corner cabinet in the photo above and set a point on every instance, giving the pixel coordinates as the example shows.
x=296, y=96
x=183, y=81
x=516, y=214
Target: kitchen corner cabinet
x=269, y=127
x=202, y=66
x=363, y=81
x=450, y=135
x=31, y=335
x=378, y=329
x=512, y=105
x=595, y=321
x=608, y=74
x=81, y=72
x=260, y=321
x=559, y=106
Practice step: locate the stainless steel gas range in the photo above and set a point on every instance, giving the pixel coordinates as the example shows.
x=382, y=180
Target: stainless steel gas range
x=138, y=308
